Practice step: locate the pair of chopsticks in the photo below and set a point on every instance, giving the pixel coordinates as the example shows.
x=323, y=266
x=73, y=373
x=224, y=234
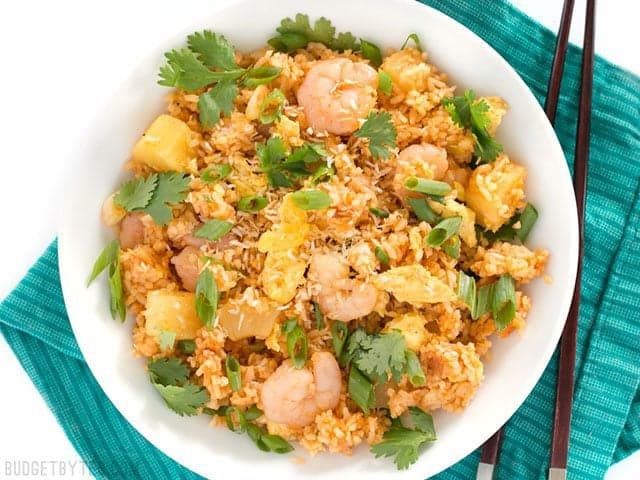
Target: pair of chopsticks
x=565, y=376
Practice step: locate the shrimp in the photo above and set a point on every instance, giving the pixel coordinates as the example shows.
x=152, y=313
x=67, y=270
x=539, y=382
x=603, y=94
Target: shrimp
x=131, y=231
x=294, y=397
x=340, y=297
x=336, y=94
x=424, y=161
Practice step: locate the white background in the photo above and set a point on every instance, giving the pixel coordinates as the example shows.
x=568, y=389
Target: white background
x=59, y=58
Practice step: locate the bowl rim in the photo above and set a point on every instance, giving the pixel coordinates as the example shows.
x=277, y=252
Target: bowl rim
x=66, y=251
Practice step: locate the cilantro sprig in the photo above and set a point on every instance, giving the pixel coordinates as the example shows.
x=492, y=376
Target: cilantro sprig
x=295, y=33
x=284, y=170
x=170, y=377
x=404, y=443
x=154, y=195
x=372, y=358
x=469, y=113
x=209, y=59
x=381, y=132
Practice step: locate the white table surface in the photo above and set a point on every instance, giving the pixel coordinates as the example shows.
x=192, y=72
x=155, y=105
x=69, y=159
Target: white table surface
x=55, y=56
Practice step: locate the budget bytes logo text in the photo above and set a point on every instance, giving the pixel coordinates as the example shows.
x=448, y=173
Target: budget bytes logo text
x=40, y=469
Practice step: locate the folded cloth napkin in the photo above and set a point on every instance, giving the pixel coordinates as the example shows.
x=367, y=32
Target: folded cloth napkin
x=606, y=416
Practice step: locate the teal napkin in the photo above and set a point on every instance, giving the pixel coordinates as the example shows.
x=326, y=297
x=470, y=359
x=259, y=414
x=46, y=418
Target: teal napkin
x=606, y=417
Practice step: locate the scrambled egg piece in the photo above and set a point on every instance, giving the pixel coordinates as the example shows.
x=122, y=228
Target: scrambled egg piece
x=414, y=284
x=412, y=326
x=281, y=275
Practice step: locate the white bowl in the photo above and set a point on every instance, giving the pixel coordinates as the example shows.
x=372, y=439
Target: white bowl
x=516, y=363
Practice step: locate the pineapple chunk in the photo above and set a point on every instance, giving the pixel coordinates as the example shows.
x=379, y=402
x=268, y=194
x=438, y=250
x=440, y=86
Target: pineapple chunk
x=290, y=212
x=241, y=318
x=412, y=326
x=289, y=234
x=407, y=70
x=252, y=112
x=414, y=284
x=172, y=311
x=165, y=146
x=281, y=276
x=495, y=191
x=111, y=212
x=497, y=109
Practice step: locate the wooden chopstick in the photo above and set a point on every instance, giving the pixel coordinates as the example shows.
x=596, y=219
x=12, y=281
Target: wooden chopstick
x=491, y=448
x=565, y=379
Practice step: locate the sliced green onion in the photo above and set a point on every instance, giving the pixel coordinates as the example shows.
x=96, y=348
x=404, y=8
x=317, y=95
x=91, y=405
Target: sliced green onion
x=108, y=256
x=382, y=255
x=167, y=339
x=371, y=52
x=427, y=186
x=311, y=199
x=318, y=316
x=416, y=41
x=271, y=107
x=234, y=373
x=214, y=229
x=252, y=413
x=437, y=198
x=414, y=369
x=504, y=302
x=361, y=390
x=527, y=219
x=207, y=298
x=339, y=334
x=116, y=304
x=422, y=210
x=238, y=423
x=187, y=346
x=452, y=246
x=385, y=83
x=443, y=231
x=261, y=76
x=484, y=301
x=379, y=212
x=274, y=443
x=252, y=203
x=467, y=289
x=296, y=342
x=215, y=173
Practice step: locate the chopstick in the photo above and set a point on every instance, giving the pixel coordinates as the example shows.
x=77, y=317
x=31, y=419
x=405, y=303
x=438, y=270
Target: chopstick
x=491, y=448
x=565, y=378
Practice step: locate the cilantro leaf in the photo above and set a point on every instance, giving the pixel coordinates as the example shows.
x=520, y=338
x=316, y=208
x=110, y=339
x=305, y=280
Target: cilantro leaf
x=184, y=70
x=215, y=102
x=168, y=371
x=297, y=33
x=284, y=171
x=381, y=354
x=137, y=193
x=213, y=49
x=401, y=443
x=381, y=132
x=184, y=400
x=171, y=189
x=469, y=113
